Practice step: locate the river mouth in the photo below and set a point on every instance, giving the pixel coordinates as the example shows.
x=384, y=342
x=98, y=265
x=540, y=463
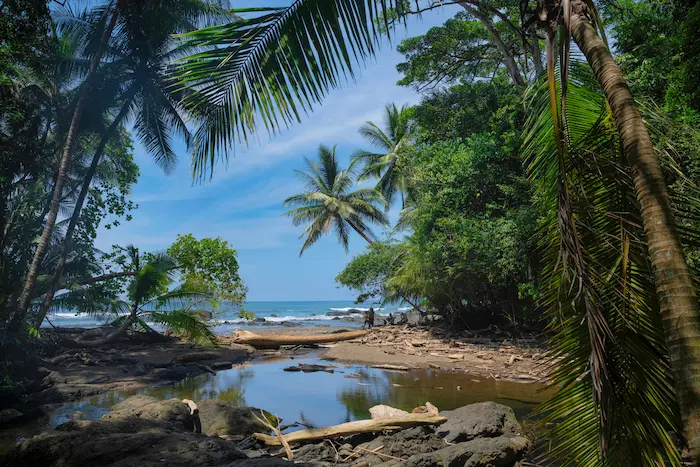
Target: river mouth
x=317, y=399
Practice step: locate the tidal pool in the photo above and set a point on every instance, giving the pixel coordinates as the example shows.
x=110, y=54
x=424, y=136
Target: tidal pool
x=317, y=399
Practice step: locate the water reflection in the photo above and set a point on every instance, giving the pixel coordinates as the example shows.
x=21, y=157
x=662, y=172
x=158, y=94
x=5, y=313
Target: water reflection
x=318, y=399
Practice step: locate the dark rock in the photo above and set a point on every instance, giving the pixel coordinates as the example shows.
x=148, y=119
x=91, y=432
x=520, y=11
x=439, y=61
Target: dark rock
x=97, y=379
x=482, y=452
x=221, y=365
x=196, y=356
x=273, y=315
x=352, y=311
x=123, y=443
x=176, y=372
x=52, y=379
x=316, y=452
x=140, y=369
x=222, y=418
x=485, y=419
x=172, y=411
x=268, y=462
x=9, y=415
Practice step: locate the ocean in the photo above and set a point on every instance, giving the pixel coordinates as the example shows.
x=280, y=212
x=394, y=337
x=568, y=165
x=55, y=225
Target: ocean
x=306, y=313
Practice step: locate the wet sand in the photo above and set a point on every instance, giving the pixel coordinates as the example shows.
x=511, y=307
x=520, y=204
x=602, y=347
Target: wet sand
x=418, y=348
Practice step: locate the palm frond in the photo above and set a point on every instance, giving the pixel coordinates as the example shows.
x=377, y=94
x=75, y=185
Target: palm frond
x=270, y=67
x=615, y=403
x=185, y=323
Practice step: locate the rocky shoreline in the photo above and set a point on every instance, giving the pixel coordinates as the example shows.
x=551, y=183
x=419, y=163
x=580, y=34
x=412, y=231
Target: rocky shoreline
x=144, y=431
x=69, y=374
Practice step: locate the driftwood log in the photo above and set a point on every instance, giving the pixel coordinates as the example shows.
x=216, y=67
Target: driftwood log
x=274, y=342
x=353, y=428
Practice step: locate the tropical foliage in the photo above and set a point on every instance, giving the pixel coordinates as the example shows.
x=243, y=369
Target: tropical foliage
x=393, y=141
x=150, y=299
x=330, y=203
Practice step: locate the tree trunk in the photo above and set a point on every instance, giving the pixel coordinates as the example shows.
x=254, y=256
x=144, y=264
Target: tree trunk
x=87, y=181
x=678, y=302
x=64, y=166
x=107, y=340
x=508, y=58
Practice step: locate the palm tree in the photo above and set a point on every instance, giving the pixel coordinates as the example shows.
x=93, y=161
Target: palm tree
x=678, y=301
x=395, y=137
x=106, y=19
x=135, y=74
x=267, y=69
x=614, y=383
x=148, y=300
x=329, y=203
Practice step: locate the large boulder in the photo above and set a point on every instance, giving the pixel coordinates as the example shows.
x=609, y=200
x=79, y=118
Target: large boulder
x=172, y=411
x=482, y=420
x=502, y=451
x=222, y=418
x=122, y=443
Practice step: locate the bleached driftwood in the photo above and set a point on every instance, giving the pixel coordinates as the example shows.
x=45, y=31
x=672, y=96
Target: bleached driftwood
x=258, y=341
x=353, y=428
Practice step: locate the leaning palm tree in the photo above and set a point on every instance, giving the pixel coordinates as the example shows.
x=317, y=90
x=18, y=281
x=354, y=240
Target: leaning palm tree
x=134, y=73
x=329, y=203
x=675, y=290
x=391, y=140
x=281, y=61
x=148, y=300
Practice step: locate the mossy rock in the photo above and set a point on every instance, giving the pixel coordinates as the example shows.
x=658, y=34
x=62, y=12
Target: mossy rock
x=222, y=418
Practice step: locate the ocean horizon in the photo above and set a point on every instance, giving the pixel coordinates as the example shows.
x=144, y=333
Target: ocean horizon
x=305, y=311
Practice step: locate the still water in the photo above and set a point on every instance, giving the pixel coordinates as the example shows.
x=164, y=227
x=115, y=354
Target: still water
x=313, y=398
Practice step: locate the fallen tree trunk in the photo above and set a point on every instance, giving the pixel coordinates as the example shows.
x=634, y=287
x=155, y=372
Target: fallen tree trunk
x=273, y=342
x=353, y=428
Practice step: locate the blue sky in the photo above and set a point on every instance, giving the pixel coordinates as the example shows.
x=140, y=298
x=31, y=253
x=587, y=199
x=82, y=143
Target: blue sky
x=243, y=201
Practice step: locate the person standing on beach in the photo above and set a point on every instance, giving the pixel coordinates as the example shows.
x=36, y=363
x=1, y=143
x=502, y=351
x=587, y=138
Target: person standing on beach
x=371, y=317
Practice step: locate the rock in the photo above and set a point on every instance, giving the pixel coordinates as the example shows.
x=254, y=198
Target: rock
x=485, y=419
x=413, y=317
x=343, y=312
x=385, y=411
x=176, y=372
x=196, y=356
x=273, y=315
x=222, y=418
x=172, y=411
x=140, y=369
x=221, y=365
x=9, y=415
x=316, y=452
x=502, y=451
x=97, y=379
x=124, y=443
x=52, y=379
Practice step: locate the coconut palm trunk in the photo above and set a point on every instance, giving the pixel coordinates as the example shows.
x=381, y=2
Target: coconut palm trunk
x=64, y=166
x=678, y=302
x=87, y=181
